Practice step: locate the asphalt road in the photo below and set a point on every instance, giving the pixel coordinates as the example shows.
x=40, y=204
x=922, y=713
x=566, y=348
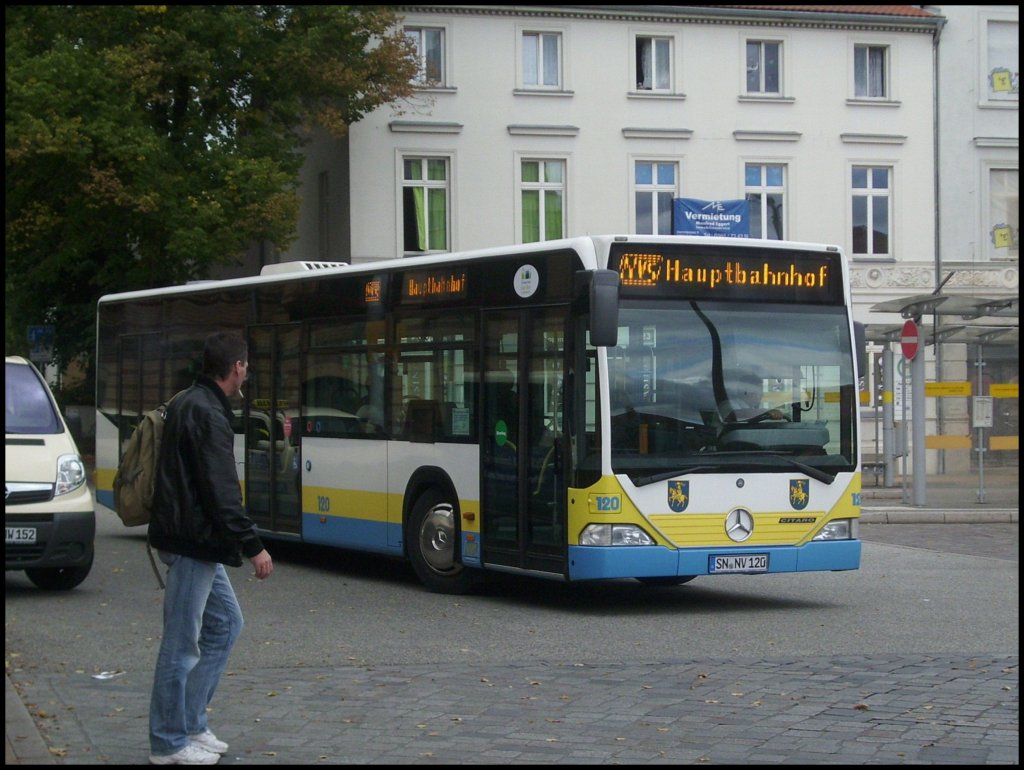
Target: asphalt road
x=347, y=658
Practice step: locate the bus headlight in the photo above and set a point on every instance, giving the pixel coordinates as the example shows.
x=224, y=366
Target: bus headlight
x=614, y=534
x=840, y=529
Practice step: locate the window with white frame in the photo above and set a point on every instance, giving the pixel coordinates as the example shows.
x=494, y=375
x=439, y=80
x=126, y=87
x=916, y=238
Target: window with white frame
x=542, y=59
x=871, y=71
x=654, y=187
x=424, y=204
x=542, y=193
x=429, y=42
x=1003, y=56
x=765, y=191
x=653, y=63
x=1003, y=223
x=871, y=208
x=764, y=67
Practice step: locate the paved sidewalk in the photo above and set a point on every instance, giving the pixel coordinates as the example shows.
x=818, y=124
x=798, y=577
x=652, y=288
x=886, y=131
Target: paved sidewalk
x=894, y=709
x=545, y=713
x=953, y=497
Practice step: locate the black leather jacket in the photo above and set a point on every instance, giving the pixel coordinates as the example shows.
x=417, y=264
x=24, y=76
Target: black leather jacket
x=197, y=499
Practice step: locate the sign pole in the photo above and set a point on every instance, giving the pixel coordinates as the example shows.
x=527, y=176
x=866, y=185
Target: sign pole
x=910, y=342
x=918, y=424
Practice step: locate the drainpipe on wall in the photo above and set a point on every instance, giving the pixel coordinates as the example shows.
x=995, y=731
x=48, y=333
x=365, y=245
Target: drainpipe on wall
x=939, y=426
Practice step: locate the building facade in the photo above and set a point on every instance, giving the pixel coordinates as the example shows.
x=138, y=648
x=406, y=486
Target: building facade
x=889, y=130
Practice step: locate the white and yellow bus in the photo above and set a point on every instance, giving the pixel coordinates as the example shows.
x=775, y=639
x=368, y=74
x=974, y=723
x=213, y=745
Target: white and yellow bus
x=648, y=407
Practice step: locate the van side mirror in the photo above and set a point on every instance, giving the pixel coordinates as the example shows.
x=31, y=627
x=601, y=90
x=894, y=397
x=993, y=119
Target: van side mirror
x=604, y=308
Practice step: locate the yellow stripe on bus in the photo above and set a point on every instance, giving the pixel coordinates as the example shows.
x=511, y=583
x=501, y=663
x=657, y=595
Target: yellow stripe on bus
x=708, y=529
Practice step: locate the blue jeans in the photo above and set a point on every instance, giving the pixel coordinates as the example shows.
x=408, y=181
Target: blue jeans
x=202, y=620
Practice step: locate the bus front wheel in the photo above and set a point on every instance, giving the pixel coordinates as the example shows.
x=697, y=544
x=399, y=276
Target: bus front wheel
x=433, y=545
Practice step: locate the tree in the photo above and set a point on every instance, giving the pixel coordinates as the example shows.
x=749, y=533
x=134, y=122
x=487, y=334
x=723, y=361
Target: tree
x=146, y=145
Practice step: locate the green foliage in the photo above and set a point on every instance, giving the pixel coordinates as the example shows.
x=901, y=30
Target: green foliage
x=146, y=145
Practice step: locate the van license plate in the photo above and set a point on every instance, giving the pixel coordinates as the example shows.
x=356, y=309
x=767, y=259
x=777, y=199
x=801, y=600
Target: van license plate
x=21, y=535
x=747, y=562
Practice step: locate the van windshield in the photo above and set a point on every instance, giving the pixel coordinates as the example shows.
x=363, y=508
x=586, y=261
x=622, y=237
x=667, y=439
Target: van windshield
x=27, y=404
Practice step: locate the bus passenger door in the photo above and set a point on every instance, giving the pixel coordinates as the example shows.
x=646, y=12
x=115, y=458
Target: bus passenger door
x=523, y=477
x=272, y=432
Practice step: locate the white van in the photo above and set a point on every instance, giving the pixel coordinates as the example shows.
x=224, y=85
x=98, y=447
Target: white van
x=49, y=515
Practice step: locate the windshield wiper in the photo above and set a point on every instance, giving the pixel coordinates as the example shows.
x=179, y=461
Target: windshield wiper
x=815, y=473
x=809, y=470
x=643, y=481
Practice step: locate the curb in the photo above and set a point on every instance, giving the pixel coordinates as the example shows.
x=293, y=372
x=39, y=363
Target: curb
x=911, y=515
x=23, y=745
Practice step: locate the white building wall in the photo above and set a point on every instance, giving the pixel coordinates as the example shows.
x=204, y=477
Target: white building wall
x=976, y=133
x=485, y=122
x=815, y=130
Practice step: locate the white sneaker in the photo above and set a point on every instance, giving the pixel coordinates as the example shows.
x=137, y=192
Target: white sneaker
x=209, y=741
x=192, y=754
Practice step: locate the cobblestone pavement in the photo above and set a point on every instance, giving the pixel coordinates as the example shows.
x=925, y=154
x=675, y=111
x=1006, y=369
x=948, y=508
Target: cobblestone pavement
x=865, y=709
x=901, y=709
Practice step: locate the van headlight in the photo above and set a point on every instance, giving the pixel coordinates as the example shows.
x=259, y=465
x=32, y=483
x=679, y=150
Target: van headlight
x=840, y=529
x=70, y=474
x=614, y=534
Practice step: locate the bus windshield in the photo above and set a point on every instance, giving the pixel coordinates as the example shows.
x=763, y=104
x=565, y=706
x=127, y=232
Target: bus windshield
x=701, y=386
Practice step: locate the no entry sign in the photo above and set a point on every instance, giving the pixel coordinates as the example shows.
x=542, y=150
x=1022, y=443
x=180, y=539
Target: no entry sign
x=909, y=340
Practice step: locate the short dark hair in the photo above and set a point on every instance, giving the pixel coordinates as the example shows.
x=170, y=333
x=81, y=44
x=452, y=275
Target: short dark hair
x=220, y=353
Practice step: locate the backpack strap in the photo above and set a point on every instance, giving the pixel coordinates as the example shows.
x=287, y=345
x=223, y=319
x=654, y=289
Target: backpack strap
x=156, y=570
x=149, y=549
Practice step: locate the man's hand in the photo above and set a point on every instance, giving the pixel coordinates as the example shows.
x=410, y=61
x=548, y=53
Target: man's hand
x=263, y=564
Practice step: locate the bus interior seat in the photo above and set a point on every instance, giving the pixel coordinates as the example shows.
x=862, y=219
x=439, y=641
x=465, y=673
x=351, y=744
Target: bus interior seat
x=423, y=420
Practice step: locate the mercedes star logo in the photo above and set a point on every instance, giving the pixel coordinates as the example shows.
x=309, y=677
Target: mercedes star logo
x=739, y=524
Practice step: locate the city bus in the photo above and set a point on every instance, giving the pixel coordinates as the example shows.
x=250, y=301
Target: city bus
x=653, y=408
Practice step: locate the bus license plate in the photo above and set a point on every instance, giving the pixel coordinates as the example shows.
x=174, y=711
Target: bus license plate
x=21, y=535
x=747, y=562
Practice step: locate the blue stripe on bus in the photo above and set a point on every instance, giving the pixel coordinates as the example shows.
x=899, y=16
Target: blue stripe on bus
x=357, y=534
x=594, y=563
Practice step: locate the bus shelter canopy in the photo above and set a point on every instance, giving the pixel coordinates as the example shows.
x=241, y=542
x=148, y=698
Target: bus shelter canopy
x=943, y=307
x=967, y=307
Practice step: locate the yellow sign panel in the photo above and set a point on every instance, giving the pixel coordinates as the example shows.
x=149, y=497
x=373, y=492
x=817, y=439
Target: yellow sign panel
x=1004, y=390
x=947, y=388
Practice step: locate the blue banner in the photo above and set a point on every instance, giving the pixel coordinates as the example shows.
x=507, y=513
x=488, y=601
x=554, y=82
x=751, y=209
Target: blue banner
x=730, y=219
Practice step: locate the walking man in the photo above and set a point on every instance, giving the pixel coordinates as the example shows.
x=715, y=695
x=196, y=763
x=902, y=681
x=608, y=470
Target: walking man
x=199, y=525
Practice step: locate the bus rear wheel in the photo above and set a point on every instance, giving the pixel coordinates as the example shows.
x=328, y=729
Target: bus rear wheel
x=433, y=545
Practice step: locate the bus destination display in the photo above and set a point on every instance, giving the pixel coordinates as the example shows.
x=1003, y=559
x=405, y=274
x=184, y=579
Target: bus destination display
x=763, y=275
x=434, y=285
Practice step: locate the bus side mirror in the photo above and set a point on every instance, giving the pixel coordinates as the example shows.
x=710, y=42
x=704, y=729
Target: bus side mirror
x=604, y=308
x=861, y=348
